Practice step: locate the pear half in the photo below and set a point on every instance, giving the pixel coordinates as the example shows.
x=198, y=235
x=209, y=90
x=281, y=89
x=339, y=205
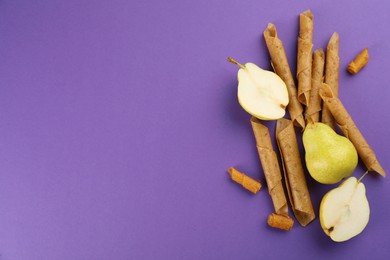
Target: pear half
x=261, y=93
x=344, y=211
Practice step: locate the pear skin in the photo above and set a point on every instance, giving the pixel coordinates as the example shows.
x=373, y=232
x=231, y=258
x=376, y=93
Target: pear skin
x=329, y=156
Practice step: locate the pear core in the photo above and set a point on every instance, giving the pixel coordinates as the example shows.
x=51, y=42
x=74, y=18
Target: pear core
x=345, y=211
x=261, y=93
x=329, y=156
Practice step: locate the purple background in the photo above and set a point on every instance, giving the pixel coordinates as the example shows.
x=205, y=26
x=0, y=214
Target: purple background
x=118, y=120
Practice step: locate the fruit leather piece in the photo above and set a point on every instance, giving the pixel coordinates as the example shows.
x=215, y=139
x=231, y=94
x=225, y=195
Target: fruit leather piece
x=359, y=62
x=313, y=109
x=270, y=165
x=281, y=67
x=350, y=130
x=245, y=181
x=304, y=56
x=283, y=222
x=294, y=175
x=332, y=68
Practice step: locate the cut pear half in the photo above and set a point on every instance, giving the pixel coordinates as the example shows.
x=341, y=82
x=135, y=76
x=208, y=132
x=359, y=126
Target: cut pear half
x=261, y=93
x=345, y=211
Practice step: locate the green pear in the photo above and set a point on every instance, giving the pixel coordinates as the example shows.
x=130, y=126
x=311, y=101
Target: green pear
x=329, y=157
x=345, y=211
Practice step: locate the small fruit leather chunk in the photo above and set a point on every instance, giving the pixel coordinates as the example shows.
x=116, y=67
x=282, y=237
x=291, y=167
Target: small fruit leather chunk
x=359, y=62
x=283, y=222
x=245, y=181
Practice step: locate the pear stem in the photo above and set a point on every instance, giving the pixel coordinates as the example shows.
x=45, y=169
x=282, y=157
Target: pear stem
x=230, y=59
x=310, y=120
x=363, y=176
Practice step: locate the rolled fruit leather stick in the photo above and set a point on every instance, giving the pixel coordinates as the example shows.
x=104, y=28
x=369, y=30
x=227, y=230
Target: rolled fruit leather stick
x=313, y=109
x=332, y=68
x=304, y=56
x=350, y=130
x=294, y=175
x=270, y=165
x=281, y=67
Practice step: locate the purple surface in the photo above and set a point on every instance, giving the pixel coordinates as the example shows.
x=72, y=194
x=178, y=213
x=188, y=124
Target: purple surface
x=118, y=120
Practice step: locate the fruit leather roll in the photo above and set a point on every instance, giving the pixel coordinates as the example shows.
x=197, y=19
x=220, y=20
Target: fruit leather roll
x=270, y=165
x=350, y=130
x=313, y=109
x=332, y=68
x=304, y=57
x=281, y=67
x=245, y=181
x=283, y=222
x=294, y=175
x=359, y=62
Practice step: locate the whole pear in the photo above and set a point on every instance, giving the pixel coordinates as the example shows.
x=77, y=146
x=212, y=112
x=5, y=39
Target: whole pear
x=329, y=156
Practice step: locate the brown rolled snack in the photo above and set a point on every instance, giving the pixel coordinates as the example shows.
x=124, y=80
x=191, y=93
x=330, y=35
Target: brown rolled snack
x=270, y=165
x=359, y=62
x=281, y=67
x=332, y=68
x=304, y=56
x=350, y=130
x=313, y=109
x=283, y=222
x=245, y=181
x=294, y=175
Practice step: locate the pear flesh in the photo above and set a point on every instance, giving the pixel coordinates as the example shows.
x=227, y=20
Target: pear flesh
x=345, y=211
x=261, y=93
x=329, y=156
